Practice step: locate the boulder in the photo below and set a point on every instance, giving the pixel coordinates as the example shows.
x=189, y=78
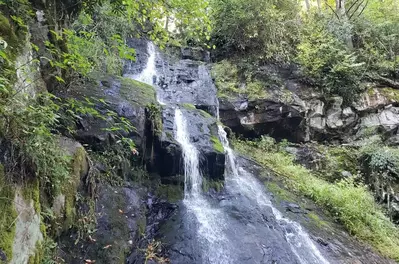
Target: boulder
x=387, y=120
x=124, y=96
x=195, y=53
x=263, y=116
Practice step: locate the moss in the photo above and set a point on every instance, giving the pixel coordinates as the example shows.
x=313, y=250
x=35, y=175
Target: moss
x=172, y=193
x=70, y=187
x=205, y=114
x=38, y=256
x=141, y=226
x=391, y=94
x=316, y=220
x=208, y=184
x=31, y=191
x=8, y=34
x=189, y=106
x=154, y=114
x=137, y=92
x=217, y=145
x=169, y=135
x=7, y=216
x=279, y=193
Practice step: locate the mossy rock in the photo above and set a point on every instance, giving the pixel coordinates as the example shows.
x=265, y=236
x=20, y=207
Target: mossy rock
x=172, y=193
x=137, y=92
x=217, y=145
x=390, y=94
x=205, y=114
x=78, y=168
x=7, y=217
x=189, y=106
x=7, y=33
x=216, y=185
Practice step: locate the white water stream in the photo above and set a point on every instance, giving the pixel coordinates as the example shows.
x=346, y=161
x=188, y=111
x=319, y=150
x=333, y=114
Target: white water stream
x=242, y=182
x=210, y=220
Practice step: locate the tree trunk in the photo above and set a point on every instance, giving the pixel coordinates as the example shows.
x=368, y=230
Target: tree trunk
x=341, y=13
x=307, y=4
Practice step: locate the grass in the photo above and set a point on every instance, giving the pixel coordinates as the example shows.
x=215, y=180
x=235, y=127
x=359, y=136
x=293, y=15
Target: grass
x=353, y=205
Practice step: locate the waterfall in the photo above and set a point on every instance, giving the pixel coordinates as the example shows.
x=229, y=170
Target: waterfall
x=242, y=182
x=210, y=220
x=149, y=73
x=192, y=175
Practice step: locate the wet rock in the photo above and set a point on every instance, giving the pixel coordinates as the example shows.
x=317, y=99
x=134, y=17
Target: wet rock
x=262, y=117
x=120, y=222
x=126, y=97
x=194, y=53
x=292, y=207
x=167, y=156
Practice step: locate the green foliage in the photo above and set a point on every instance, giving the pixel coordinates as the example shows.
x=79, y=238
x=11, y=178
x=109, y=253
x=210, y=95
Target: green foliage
x=269, y=33
x=183, y=21
x=376, y=37
x=335, y=160
x=328, y=63
x=352, y=204
x=8, y=215
x=232, y=80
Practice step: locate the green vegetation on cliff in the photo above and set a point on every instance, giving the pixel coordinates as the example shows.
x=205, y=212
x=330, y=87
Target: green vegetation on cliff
x=337, y=46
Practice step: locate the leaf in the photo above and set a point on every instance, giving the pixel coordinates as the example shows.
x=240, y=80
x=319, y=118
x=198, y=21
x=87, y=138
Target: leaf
x=59, y=79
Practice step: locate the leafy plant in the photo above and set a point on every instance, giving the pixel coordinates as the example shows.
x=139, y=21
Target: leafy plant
x=328, y=63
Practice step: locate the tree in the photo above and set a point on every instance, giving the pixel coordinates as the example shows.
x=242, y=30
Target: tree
x=264, y=29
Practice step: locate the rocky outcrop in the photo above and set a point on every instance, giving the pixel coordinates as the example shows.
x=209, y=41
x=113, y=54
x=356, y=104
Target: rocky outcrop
x=126, y=97
x=121, y=221
x=310, y=116
x=260, y=117
x=167, y=153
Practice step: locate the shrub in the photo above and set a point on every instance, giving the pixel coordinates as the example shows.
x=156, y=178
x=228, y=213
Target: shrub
x=327, y=62
x=267, y=34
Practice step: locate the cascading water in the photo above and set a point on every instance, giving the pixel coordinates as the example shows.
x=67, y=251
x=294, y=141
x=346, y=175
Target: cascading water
x=149, y=72
x=241, y=182
x=240, y=225
x=210, y=220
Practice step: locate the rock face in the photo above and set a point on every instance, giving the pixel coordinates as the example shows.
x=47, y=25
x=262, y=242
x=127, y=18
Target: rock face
x=186, y=84
x=260, y=117
x=124, y=96
x=121, y=221
x=27, y=230
x=310, y=116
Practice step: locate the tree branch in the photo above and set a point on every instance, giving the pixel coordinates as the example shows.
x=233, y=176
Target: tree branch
x=332, y=9
x=383, y=80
